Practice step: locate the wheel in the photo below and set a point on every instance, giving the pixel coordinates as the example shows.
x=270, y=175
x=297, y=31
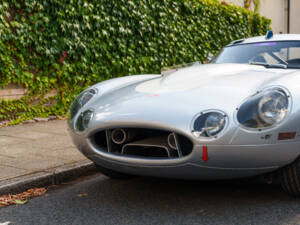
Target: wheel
x=113, y=174
x=290, y=178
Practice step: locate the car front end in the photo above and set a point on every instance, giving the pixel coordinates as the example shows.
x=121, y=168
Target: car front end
x=155, y=128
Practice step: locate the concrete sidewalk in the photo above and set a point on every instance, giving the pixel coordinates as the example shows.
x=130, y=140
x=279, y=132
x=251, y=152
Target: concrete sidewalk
x=36, y=150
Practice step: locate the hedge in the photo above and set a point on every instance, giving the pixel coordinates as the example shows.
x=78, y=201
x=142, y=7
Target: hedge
x=66, y=45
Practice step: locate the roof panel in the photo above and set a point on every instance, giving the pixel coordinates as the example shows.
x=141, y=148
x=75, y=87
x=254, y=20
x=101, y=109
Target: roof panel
x=276, y=37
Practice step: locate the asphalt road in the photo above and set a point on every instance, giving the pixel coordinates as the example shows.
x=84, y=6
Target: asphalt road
x=157, y=201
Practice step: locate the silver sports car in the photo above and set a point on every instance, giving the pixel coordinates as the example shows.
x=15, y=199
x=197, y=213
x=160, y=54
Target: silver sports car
x=238, y=116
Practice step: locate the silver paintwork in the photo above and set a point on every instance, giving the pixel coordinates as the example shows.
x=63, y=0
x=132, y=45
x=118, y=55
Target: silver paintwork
x=278, y=37
x=171, y=102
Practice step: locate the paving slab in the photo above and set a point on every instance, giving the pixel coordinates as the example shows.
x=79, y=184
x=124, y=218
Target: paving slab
x=34, y=163
x=4, y=140
x=54, y=126
x=37, y=148
x=67, y=154
x=52, y=177
x=30, y=135
x=9, y=172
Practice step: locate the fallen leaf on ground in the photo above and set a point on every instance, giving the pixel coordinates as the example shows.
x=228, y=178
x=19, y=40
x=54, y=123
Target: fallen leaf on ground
x=82, y=195
x=19, y=202
x=22, y=198
x=61, y=117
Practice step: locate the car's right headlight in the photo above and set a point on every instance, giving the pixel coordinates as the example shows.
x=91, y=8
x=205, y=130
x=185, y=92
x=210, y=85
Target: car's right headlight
x=81, y=100
x=264, y=109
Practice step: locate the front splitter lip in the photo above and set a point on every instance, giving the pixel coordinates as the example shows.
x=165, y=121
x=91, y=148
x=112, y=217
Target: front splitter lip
x=219, y=156
x=180, y=171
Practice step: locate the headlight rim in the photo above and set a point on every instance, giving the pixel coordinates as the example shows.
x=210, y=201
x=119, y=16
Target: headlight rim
x=79, y=106
x=88, y=90
x=81, y=112
x=275, y=125
x=214, y=137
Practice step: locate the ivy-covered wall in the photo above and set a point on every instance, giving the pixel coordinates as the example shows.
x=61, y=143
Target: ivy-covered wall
x=66, y=45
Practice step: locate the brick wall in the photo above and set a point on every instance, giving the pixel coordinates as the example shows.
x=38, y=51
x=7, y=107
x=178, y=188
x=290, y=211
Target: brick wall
x=11, y=92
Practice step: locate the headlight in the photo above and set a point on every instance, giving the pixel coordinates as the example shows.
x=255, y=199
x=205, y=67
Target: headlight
x=209, y=124
x=83, y=120
x=265, y=109
x=214, y=124
x=81, y=100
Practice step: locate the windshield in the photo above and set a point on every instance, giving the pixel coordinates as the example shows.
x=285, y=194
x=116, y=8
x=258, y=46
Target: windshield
x=280, y=52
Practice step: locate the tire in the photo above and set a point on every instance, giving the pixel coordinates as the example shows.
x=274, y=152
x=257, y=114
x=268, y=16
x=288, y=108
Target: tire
x=113, y=174
x=290, y=178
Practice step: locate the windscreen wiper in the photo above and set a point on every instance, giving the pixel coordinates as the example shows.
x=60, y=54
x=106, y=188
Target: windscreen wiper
x=269, y=65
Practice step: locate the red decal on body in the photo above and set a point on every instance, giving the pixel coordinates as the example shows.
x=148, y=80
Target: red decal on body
x=151, y=95
x=204, y=154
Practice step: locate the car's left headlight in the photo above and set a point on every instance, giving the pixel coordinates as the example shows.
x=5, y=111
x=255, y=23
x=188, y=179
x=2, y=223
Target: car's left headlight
x=209, y=124
x=83, y=120
x=264, y=109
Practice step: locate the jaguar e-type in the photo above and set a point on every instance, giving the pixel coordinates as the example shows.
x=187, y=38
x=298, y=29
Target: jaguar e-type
x=237, y=116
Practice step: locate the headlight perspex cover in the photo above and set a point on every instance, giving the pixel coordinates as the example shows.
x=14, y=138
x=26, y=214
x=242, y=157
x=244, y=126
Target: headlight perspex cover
x=264, y=109
x=83, y=120
x=209, y=124
x=81, y=100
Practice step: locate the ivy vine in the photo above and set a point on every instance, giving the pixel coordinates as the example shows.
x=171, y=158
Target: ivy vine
x=67, y=45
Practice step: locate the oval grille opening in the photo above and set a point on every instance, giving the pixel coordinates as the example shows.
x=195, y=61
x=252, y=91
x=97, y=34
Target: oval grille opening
x=143, y=142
